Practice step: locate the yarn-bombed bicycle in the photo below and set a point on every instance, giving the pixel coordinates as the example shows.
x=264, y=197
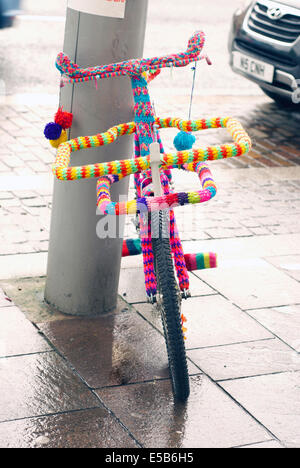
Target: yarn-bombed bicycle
x=159, y=241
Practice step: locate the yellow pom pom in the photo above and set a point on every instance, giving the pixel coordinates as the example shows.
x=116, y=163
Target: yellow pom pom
x=62, y=139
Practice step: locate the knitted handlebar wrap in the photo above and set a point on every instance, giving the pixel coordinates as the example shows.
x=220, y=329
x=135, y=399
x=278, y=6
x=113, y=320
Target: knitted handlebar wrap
x=74, y=74
x=121, y=169
x=169, y=201
x=127, y=167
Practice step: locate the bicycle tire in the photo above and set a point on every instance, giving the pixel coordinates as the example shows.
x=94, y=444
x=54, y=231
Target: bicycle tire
x=169, y=303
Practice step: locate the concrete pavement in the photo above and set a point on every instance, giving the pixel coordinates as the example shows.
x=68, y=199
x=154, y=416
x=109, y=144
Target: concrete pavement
x=103, y=382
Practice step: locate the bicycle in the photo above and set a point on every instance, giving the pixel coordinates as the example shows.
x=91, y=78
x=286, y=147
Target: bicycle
x=159, y=240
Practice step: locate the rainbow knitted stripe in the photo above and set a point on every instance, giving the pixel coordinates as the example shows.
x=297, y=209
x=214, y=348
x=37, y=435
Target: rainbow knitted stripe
x=131, y=247
x=166, y=201
x=198, y=261
x=61, y=169
x=72, y=73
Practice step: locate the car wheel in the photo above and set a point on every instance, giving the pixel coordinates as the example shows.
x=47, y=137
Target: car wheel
x=281, y=101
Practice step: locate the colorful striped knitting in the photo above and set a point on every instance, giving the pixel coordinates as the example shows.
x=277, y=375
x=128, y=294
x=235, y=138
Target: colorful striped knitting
x=178, y=255
x=141, y=72
x=72, y=73
x=131, y=247
x=199, y=261
x=127, y=167
x=167, y=201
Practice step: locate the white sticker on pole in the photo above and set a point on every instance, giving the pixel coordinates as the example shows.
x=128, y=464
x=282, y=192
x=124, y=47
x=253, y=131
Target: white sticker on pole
x=111, y=8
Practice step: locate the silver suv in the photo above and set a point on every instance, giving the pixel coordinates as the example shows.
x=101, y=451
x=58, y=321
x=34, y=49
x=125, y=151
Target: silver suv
x=265, y=47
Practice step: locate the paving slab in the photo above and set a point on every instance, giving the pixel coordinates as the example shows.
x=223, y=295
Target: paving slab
x=18, y=335
x=290, y=264
x=284, y=322
x=246, y=359
x=247, y=247
x=94, y=428
x=28, y=293
x=23, y=265
x=132, y=286
x=253, y=283
x=4, y=300
x=30, y=182
x=35, y=264
x=274, y=401
x=210, y=419
x=212, y=321
x=114, y=349
x=40, y=384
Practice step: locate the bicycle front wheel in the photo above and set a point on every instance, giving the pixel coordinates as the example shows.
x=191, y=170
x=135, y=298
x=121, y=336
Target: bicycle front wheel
x=169, y=303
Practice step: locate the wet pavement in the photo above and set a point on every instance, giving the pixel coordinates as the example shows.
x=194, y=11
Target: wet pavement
x=103, y=381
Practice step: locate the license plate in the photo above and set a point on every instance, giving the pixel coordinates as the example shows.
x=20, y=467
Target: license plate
x=261, y=70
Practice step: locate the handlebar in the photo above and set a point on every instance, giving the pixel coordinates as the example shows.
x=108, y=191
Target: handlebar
x=73, y=73
x=242, y=145
x=111, y=172
x=149, y=204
